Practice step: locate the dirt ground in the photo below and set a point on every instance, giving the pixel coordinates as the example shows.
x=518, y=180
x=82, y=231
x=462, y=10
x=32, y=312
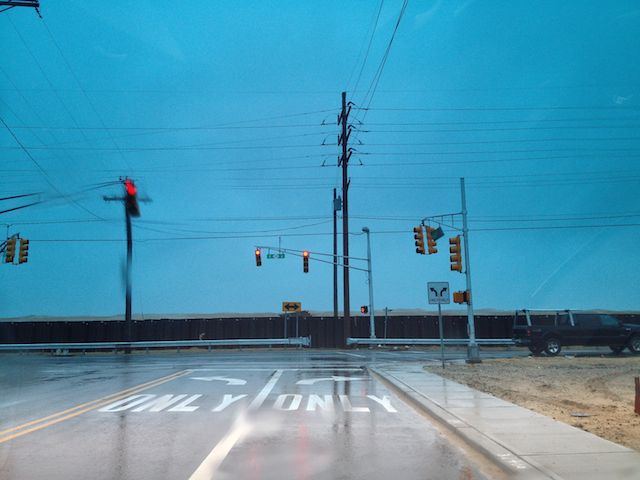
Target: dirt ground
x=564, y=388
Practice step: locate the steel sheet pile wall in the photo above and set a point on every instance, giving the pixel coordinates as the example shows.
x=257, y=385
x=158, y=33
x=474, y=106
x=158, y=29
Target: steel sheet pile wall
x=325, y=332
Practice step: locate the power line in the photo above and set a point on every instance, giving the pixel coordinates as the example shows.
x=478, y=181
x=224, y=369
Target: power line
x=44, y=173
x=376, y=78
x=524, y=140
x=223, y=146
x=366, y=55
x=20, y=196
x=501, y=122
x=165, y=128
x=381, y=232
x=86, y=96
x=301, y=125
x=513, y=129
x=496, y=109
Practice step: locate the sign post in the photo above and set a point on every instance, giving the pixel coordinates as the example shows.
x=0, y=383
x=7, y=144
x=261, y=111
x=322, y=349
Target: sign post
x=438, y=293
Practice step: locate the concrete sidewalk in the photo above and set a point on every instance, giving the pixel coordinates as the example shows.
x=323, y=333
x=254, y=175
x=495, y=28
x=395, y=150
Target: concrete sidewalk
x=526, y=444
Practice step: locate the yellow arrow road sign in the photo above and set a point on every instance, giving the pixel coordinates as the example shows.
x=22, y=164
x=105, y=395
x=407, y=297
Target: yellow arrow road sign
x=291, y=307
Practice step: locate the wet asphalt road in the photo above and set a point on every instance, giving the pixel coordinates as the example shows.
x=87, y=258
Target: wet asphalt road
x=295, y=414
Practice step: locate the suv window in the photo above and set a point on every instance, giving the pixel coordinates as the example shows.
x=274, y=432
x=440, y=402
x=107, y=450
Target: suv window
x=609, y=321
x=563, y=320
x=587, y=320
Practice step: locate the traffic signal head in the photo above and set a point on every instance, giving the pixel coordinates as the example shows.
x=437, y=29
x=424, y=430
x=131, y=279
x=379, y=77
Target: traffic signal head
x=258, y=257
x=305, y=261
x=10, y=250
x=364, y=309
x=24, y=251
x=456, y=255
x=431, y=243
x=461, y=297
x=419, y=238
x=131, y=198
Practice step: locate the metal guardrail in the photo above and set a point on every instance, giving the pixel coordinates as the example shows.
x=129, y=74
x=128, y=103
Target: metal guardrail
x=427, y=341
x=248, y=342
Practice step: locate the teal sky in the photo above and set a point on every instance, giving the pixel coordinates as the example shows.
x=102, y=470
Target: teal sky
x=224, y=113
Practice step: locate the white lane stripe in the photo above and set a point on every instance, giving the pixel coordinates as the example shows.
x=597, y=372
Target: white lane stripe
x=208, y=468
x=260, y=398
x=352, y=354
x=314, y=369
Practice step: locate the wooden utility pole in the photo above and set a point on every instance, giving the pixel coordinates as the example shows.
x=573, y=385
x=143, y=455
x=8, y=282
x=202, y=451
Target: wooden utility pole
x=131, y=209
x=343, y=162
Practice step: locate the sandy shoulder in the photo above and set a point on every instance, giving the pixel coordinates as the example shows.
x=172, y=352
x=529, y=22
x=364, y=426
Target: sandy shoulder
x=562, y=387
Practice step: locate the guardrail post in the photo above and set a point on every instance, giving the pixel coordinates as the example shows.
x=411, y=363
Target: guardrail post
x=637, y=409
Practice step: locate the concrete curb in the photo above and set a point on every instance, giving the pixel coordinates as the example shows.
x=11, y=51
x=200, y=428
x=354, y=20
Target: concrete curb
x=511, y=463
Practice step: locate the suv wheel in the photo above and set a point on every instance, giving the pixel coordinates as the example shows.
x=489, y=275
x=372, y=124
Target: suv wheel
x=535, y=349
x=553, y=346
x=616, y=349
x=634, y=344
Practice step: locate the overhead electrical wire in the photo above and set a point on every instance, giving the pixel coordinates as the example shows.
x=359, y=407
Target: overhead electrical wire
x=497, y=109
x=86, y=96
x=324, y=234
x=368, y=97
x=366, y=55
x=44, y=173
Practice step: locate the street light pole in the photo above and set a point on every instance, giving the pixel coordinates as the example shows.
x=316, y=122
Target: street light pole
x=372, y=323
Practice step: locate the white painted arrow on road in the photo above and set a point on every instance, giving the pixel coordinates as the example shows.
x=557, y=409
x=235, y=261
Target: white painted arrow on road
x=334, y=378
x=230, y=381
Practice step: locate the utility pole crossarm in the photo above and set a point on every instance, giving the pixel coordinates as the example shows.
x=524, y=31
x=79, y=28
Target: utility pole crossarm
x=35, y=4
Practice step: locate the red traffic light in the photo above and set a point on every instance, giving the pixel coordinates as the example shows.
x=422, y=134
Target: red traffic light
x=364, y=309
x=305, y=261
x=131, y=200
x=258, y=257
x=130, y=187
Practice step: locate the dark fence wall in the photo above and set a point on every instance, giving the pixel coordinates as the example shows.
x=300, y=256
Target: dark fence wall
x=325, y=332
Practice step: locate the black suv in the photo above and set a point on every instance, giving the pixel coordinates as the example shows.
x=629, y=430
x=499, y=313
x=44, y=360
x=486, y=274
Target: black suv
x=569, y=328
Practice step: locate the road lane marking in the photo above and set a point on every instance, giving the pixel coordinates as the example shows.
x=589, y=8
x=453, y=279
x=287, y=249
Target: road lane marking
x=261, y=397
x=230, y=381
x=208, y=467
x=83, y=408
x=352, y=354
x=385, y=402
x=335, y=378
x=286, y=402
x=325, y=403
x=296, y=400
x=228, y=400
x=128, y=390
x=185, y=406
x=345, y=401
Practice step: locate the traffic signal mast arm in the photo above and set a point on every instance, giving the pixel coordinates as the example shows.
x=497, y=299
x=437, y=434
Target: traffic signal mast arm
x=300, y=253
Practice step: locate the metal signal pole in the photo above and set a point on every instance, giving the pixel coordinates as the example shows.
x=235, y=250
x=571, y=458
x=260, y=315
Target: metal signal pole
x=127, y=309
x=343, y=140
x=335, y=257
x=372, y=316
x=473, y=351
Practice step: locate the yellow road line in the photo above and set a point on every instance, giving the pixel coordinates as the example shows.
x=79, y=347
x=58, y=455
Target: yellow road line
x=4, y=432
x=85, y=407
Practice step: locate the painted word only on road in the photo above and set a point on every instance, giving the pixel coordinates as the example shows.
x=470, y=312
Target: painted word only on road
x=287, y=402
